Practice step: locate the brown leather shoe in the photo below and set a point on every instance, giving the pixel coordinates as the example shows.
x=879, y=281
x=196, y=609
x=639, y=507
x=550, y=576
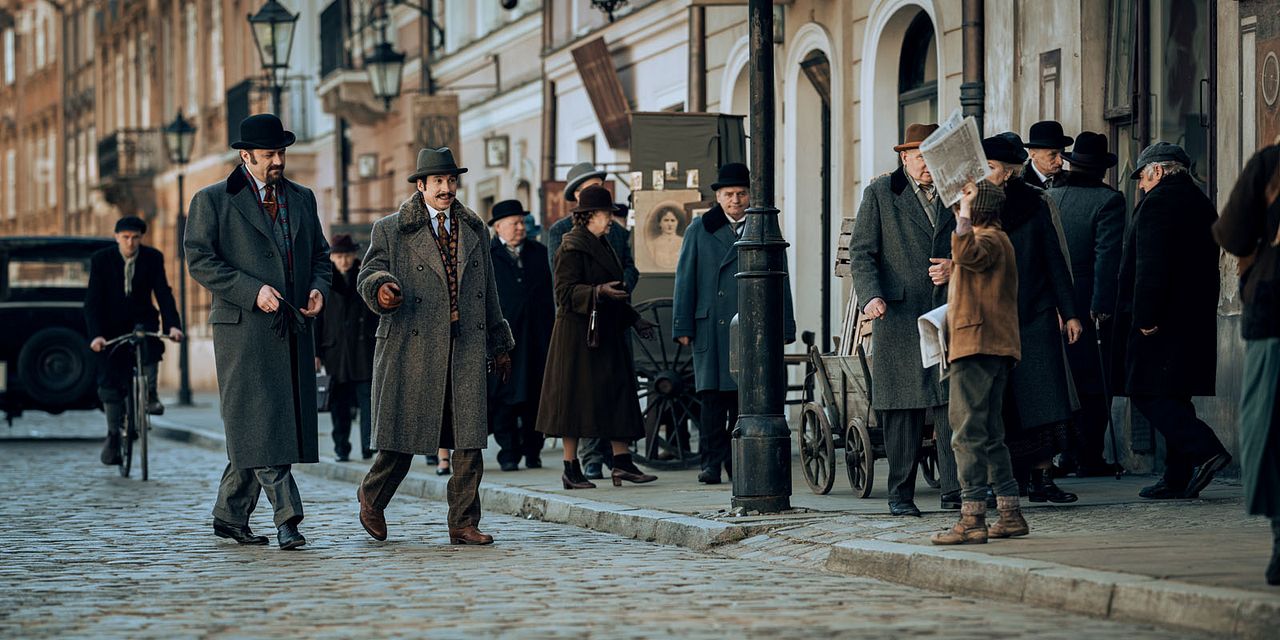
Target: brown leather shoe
x=469, y=535
x=374, y=523
x=971, y=529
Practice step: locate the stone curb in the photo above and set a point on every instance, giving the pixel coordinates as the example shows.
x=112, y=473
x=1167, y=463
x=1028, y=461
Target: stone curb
x=1100, y=594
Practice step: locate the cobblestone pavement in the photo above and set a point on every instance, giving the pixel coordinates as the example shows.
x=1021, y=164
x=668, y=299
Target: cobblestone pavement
x=88, y=553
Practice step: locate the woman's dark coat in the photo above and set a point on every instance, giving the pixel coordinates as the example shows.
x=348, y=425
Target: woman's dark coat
x=344, y=331
x=1040, y=384
x=589, y=392
x=1169, y=279
x=529, y=306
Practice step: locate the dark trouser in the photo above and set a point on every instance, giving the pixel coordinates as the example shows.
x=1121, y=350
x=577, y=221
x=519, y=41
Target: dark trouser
x=719, y=415
x=390, y=468
x=238, y=494
x=343, y=397
x=595, y=451
x=114, y=389
x=977, y=401
x=1091, y=428
x=1188, y=440
x=515, y=432
x=947, y=475
x=903, y=432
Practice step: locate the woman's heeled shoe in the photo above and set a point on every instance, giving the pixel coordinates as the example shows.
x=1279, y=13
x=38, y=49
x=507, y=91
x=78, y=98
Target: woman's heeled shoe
x=572, y=478
x=445, y=470
x=625, y=469
x=1043, y=489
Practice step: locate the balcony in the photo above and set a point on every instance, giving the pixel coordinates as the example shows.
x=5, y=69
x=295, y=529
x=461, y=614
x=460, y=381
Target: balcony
x=346, y=93
x=127, y=160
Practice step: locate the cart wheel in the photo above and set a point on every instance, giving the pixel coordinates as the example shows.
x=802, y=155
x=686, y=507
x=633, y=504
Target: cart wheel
x=859, y=459
x=929, y=467
x=817, y=449
x=666, y=390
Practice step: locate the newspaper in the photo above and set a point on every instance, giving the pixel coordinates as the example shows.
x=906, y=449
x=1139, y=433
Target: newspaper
x=954, y=155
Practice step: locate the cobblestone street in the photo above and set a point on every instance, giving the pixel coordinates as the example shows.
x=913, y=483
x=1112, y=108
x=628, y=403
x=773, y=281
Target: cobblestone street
x=89, y=553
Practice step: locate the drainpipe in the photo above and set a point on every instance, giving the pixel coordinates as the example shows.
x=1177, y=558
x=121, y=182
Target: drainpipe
x=973, y=88
x=548, y=113
x=697, y=59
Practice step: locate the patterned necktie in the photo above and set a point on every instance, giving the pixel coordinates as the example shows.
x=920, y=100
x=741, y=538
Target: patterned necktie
x=269, y=202
x=449, y=255
x=930, y=210
x=928, y=192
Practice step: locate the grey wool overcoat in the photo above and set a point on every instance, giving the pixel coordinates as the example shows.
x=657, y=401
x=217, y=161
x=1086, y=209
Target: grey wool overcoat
x=411, y=358
x=266, y=385
x=889, y=253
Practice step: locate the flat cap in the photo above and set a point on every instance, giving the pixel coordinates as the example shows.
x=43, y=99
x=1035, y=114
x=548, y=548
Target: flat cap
x=1160, y=152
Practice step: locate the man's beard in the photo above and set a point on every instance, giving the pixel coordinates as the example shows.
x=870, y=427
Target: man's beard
x=274, y=175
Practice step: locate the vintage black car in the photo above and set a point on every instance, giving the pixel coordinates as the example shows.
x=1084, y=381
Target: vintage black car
x=45, y=362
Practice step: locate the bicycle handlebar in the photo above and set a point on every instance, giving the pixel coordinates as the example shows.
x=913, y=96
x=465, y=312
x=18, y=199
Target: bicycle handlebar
x=137, y=335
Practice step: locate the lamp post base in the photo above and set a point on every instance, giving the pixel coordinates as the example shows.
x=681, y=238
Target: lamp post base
x=762, y=464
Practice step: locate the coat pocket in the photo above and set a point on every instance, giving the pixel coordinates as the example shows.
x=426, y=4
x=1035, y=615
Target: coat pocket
x=224, y=315
x=383, y=330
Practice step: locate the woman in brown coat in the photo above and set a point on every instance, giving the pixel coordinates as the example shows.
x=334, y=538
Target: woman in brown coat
x=589, y=387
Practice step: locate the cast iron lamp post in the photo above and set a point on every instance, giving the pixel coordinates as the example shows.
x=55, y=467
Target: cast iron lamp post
x=273, y=27
x=179, y=137
x=761, y=439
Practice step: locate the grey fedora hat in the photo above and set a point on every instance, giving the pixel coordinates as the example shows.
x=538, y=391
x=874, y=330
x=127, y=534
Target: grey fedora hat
x=578, y=174
x=436, y=162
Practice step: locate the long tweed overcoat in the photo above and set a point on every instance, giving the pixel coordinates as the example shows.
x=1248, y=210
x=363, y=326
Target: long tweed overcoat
x=411, y=358
x=889, y=257
x=268, y=396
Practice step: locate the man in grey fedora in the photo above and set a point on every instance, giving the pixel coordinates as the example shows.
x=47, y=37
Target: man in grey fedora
x=255, y=242
x=429, y=274
x=595, y=453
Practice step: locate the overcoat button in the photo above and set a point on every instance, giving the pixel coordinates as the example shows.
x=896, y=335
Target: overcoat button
x=418, y=299
x=721, y=294
x=415, y=332
x=479, y=296
x=419, y=267
x=270, y=255
x=479, y=325
x=722, y=322
x=475, y=263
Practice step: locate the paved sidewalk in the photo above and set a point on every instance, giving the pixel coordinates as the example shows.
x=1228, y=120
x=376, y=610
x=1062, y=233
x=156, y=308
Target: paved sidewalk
x=1195, y=564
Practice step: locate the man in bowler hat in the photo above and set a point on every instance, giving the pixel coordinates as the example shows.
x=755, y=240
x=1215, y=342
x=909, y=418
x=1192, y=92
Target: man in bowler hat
x=901, y=263
x=429, y=274
x=344, y=348
x=705, y=301
x=255, y=241
x=1045, y=145
x=524, y=288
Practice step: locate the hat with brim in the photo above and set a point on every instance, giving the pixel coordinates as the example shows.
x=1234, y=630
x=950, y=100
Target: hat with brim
x=1090, y=152
x=733, y=174
x=1005, y=147
x=342, y=243
x=915, y=134
x=1047, y=134
x=578, y=174
x=263, y=131
x=506, y=209
x=1160, y=152
x=436, y=162
x=595, y=198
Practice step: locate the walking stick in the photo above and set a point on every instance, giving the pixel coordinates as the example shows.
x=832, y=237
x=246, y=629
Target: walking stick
x=1106, y=394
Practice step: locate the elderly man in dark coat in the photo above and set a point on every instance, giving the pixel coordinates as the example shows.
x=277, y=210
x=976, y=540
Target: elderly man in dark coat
x=255, y=242
x=429, y=274
x=524, y=288
x=705, y=302
x=1168, y=318
x=1045, y=145
x=901, y=260
x=1093, y=217
x=344, y=347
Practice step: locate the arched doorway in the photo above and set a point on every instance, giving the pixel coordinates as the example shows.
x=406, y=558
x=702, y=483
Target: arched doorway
x=900, y=77
x=918, y=74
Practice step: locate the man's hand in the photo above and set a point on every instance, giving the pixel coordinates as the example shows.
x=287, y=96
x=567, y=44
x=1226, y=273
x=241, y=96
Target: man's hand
x=684, y=341
x=389, y=296
x=98, y=344
x=1074, y=329
x=319, y=365
x=940, y=272
x=875, y=309
x=268, y=299
x=644, y=328
x=315, y=303
x=612, y=290
x=502, y=366
x=1149, y=332
x=175, y=334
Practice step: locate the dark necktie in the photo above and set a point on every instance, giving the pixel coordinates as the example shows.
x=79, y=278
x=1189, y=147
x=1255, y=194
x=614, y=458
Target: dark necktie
x=269, y=202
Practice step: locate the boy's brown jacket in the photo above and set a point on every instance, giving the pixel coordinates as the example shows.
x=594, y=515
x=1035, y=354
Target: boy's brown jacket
x=982, y=301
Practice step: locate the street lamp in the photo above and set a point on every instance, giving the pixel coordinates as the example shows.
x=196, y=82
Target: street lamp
x=273, y=34
x=179, y=137
x=385, y=65
x=608, y=6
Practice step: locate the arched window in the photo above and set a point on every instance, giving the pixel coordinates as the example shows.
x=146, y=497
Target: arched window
x=918, y=75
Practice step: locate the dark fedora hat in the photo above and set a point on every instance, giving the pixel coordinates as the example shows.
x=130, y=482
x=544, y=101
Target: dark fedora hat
x=578, y=174
x=1005, y=147
x=595, y=198
x=506, y=209
x=915, y=134
x=436, y=162
x=1090, y=152
x=1047, y=134
x=131, y=223
x=263, y=131
x=342, y=243
x=733, y=174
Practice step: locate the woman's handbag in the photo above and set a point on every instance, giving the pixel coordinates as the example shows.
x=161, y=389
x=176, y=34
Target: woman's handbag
x=593, y=332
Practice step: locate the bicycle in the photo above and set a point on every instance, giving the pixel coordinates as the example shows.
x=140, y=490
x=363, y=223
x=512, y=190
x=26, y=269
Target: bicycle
x=137, y=421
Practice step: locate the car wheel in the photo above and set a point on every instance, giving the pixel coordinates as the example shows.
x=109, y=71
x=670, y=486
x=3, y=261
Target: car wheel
x=55, y=367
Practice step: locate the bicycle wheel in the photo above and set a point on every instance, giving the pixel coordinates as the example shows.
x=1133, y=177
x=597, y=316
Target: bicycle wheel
x=142, y=421
x=126, y=438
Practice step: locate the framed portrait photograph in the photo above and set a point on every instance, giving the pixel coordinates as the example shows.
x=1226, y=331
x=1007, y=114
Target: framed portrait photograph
x=496, y=152
x=661, y=218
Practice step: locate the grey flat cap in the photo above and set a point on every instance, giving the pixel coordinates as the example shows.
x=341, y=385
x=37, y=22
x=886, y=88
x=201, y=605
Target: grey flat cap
x=1160, y=152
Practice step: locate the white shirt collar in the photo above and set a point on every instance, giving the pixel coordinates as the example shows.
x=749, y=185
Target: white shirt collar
x=261, y=186
x=1043, y=177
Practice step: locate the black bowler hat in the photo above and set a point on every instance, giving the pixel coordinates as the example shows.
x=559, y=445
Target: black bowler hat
x=595, y=198
x=436, y=162
x=343, y=243
x=263, y=131
x=1048, y=134
x=131, y=223
x=506, y=209
x=1005, y=147
x=1091, y=152
x=734, y=174
x=621, y=209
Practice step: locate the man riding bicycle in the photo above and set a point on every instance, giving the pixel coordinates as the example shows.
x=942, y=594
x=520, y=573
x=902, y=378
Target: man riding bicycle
x=122, y=282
